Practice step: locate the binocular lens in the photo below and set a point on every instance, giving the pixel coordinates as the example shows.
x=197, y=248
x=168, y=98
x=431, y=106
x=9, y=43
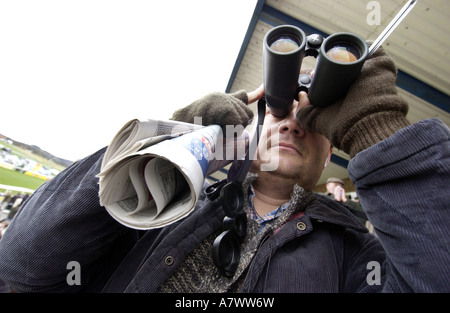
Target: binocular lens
x=343, y=53
x=284, y=44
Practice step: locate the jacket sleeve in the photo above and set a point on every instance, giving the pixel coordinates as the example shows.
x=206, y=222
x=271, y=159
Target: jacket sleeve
x=402, y=183
x=63, y=222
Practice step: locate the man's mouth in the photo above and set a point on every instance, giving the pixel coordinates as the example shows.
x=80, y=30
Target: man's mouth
x=288, y=147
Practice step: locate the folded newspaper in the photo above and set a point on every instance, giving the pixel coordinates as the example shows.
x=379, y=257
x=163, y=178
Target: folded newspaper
x=153, y=171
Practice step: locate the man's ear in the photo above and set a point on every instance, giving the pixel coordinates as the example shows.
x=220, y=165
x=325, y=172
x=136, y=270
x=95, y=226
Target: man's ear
x=327, y=161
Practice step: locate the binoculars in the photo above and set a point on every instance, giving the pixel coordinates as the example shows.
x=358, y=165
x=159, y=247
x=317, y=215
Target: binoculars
x=340, y=58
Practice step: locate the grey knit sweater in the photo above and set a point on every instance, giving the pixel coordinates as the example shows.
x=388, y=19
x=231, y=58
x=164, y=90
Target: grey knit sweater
x=198, y=272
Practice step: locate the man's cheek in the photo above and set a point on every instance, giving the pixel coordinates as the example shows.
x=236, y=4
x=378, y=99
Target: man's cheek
x=269, y=153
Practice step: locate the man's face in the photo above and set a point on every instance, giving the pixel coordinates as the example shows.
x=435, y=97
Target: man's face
x=286, y=149
x=332, y=186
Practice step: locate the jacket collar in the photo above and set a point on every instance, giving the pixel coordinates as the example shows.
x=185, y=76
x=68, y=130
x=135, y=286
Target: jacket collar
x=325, y=209
x=316, y=206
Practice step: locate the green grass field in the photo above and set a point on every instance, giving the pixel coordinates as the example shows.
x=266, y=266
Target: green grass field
x=21, y=153
x=13, y=178
x=18, y=179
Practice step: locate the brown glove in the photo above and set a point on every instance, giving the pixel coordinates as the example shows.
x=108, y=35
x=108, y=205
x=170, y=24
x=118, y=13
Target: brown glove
x=218, y=108
x=370, y=112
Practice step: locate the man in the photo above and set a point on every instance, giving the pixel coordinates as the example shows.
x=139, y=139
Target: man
x=296, y=241
x=336, y=191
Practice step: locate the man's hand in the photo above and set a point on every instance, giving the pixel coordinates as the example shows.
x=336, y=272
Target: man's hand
x=220, y=109
x=256, y=94
x=339, y=194
x=370, y=112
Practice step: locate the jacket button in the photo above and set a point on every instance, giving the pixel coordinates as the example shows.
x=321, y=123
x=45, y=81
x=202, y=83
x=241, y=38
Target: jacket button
x=301, y=226
x=169, y=260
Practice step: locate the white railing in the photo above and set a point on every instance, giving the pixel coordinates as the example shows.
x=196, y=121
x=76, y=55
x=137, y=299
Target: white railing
x=15, y=188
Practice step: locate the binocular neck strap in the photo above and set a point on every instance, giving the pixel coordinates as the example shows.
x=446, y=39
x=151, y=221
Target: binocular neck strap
x=239, y=168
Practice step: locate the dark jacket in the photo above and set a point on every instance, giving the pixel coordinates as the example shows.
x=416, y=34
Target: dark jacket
x=330, y=252
x=294, y=259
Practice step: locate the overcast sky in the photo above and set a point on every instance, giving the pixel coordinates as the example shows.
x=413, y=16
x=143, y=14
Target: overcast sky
x=73, y=72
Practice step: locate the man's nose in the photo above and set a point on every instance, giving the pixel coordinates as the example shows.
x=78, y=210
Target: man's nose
x=291, y=124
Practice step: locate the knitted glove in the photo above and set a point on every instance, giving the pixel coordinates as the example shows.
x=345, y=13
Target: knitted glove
x=370, y=112
x=218, y=108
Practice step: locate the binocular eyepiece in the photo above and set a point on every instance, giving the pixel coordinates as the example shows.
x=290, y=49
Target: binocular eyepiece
x=340, y=58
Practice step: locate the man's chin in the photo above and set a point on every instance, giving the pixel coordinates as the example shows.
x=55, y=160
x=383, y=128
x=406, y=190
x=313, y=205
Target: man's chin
x=288, y=166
